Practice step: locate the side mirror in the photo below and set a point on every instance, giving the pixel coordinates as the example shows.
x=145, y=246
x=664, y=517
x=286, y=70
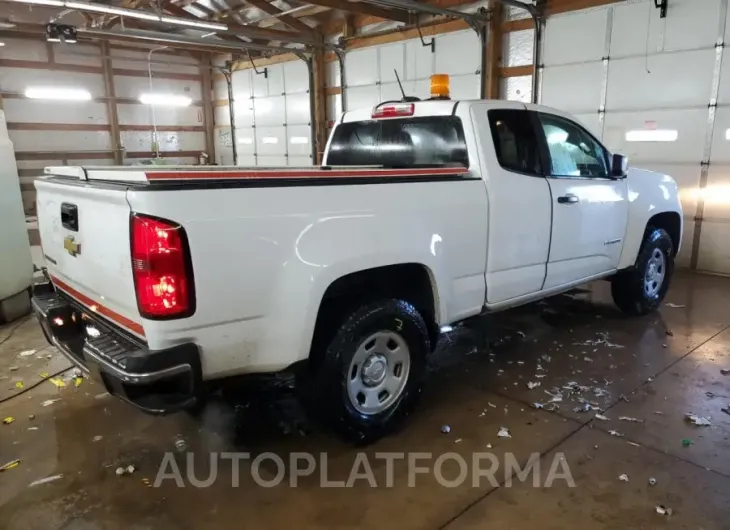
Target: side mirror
x=619, y=166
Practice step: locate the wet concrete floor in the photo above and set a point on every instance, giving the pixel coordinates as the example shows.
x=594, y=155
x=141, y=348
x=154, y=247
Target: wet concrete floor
x=587, y=358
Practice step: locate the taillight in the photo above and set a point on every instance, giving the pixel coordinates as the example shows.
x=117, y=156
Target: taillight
x=394, y=110
x=161, y=267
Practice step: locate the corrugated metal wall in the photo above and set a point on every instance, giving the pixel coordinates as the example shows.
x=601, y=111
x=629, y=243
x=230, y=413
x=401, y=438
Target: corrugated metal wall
x=79, y=132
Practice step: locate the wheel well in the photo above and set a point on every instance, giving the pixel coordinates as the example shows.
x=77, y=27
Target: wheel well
x=671, y=222
x=408, y=281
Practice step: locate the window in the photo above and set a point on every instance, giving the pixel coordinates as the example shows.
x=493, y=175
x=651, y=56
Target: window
x=407, y=142
x=515, y=141
x=574, y=152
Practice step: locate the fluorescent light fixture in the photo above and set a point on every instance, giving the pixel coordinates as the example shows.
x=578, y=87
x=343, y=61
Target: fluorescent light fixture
x=50, y=3
x=67, y=94
x=299, y=140
x=165, y=100
x=246, y=141
x=656, y=135
x=727, y=134
x=2, y=44
x=270, y=140
x=194, y=23
x=111, y=10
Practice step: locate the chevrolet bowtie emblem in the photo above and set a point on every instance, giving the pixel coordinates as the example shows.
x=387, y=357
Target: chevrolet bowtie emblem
x=71, y=246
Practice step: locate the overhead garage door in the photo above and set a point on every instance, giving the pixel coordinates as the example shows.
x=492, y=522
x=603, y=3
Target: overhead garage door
x=370, y=77
x=272, y=115
x=647, y=87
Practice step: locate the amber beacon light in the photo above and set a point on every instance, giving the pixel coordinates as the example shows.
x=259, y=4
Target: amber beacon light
x=440, y=86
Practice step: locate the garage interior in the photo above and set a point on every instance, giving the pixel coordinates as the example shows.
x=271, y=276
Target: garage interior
x=256, y=83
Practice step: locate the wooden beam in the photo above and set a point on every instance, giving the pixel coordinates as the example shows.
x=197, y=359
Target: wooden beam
x=85, y=69
x=405, y=34
x=292, y=22
x=319, y=112
x=78, y=127
x=515, y=71
x=494, y=51
x=111, y=106
x=206, y=86
x=364, y=9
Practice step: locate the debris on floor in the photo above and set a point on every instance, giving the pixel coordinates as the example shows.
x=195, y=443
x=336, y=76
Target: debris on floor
x=457, y=441
x=446, y=429
x=97, y=438
x=19, y=385
x=686, y=442
x=121, y=471
x=27, y=353
x=623, y=478
x=537, y=405
x=601, y=417
x=652, y=481
x=533, y=384
x=13, y=369
x=628, y=418
x=181, y=445
x=45, y=480
x=58, y=382
x=675, y=306
x=49, y=402
x=699, y=421
x=663, y=510
x=503, y=433
x=8, y=420
x=723, y=371
x=10, y=465
x=615, y=433
x=726, y=410
x=670, y=333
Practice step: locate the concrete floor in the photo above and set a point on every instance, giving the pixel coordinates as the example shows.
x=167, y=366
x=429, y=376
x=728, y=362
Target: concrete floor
x=477, y=384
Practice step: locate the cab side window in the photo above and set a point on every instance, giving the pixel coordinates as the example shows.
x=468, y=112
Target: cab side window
x=515, y=141
x=573, y=152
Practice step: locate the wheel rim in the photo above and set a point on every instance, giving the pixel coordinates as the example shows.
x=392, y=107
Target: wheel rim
x=378, y=372
x=656, y=270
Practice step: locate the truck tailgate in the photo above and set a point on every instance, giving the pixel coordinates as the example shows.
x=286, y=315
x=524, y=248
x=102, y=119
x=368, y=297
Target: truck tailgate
x=85, y=238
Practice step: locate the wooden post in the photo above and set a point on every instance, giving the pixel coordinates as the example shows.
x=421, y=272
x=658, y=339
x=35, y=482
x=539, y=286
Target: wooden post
x=206, y=86
x=111, y=103
x=319, y=112
x=494, y=51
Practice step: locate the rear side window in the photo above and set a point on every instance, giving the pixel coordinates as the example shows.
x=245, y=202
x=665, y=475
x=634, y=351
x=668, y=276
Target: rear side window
x=515, y=141
x=397, y=143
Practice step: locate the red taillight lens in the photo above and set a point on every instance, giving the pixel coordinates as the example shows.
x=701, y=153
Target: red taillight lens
x=160, y=265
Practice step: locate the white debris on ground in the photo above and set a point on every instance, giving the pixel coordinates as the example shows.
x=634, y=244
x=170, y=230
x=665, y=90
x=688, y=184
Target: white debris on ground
x=652, y=481
x=675, y=306
x=615, y=433
x=503, y=433
x=601, y=417
x=699, y=421
x=623, y=478
x=49, y=402
x=446, y=429
x=128, y=470
x=602, y=340
x=45, y=480
x=533, y=384
x=663, y=510
x=627, y=418
x=27, y=353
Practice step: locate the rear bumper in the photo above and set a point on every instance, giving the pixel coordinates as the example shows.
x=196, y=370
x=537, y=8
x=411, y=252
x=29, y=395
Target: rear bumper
x=158, y=382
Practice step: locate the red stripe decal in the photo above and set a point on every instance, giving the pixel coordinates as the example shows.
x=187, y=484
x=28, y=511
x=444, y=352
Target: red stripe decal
x=303, y=174
x=98, y=308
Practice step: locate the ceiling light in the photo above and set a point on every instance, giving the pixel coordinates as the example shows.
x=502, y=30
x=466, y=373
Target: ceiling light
x=67, y=94
x=165, y=100
x=110, y=10
x=2, y=44
x=656, y=135
x=194, y=23
x=50, y=3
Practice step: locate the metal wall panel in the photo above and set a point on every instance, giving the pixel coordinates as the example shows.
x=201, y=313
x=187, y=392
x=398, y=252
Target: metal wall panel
x=297, y=109
x=363, y=96
x=18, y=79
x=690, y=125
x=631, y=86
x=717, y=193
x=133, y=87
x=518, y=47
x=84, y=54
x=462, y=44
x=159, y=64
x=269, y=111
x=575, y=37
x=361, y=67
x=419, y=60
x=60, y=140
x=24, y=49
x=584, y=81
x=517, y=88
x=221, y=116
x=40, y=111
x=299, y=141
x=296, y=77
x=391, y=57
x=714, y=251
x=723, y=95
x=167, y=141
x=138, y=114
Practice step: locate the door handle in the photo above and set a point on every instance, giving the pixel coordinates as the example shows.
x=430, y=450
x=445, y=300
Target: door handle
x=568, y=199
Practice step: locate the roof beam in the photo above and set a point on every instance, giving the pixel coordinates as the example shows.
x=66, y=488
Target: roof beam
x=364, y=9
x=292, y=22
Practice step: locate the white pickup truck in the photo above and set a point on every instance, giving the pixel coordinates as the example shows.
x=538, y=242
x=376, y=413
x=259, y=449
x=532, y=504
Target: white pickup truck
x=166, y=280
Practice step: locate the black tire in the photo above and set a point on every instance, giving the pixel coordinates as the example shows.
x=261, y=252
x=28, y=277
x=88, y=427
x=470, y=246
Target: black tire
x=627, y=287
x=326, y=383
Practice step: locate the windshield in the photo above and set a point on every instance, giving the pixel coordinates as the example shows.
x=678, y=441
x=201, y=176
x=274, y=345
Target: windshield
x=396, y=143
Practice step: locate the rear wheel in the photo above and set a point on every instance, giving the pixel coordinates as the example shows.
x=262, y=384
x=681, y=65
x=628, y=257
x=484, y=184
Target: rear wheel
x=368, y=379
x=641, y=290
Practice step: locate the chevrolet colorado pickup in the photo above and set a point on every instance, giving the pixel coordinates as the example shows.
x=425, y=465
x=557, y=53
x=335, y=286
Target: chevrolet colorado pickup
x=166, y=280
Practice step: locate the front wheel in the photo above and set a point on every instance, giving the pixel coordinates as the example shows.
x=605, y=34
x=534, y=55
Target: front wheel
x=641, y=290
x=369, y=378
